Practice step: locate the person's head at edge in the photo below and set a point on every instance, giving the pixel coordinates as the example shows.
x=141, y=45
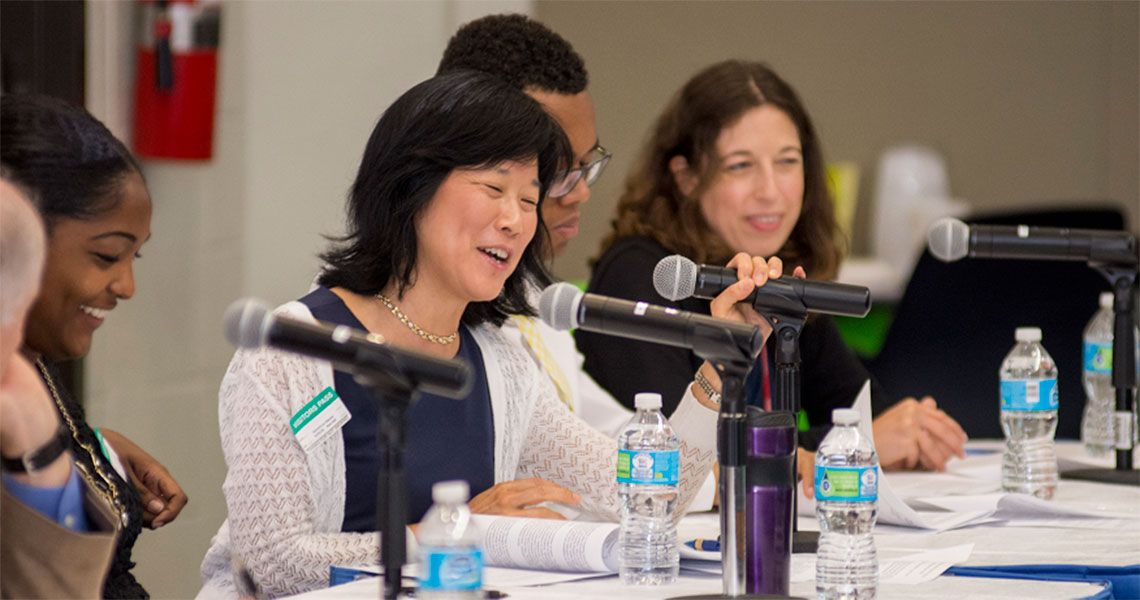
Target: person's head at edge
x=448, y=194
x=538, y=61
x=96, y=209
x=21, y=264
x=733, y=165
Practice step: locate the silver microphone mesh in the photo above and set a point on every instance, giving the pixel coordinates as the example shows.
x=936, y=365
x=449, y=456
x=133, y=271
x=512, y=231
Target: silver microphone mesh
x=948, y=239
x=675, y=277
x=558, y=306
x=246, y=321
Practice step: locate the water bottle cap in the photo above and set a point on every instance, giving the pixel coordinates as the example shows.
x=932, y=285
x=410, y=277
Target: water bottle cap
x=647, y=401
x=845, y=416
x=1106, y=299
x=450, y=492
x=1027, y=334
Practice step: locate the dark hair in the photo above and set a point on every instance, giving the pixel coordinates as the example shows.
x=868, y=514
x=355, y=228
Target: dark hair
x=68, y=162
x=653, y=206
x=459, y=120
x=519, y=50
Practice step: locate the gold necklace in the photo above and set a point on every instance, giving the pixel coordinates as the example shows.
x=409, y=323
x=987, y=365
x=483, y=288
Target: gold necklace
x=109, y=491
x=442, y=340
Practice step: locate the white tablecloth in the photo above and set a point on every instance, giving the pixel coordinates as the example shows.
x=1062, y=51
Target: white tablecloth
x=993, y=545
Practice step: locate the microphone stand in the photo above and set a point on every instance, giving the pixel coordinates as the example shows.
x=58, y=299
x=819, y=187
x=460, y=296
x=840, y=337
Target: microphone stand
x=1125, y=284
x=393, y=397
x=786, y=328
x=731, y=433
x=732, y=364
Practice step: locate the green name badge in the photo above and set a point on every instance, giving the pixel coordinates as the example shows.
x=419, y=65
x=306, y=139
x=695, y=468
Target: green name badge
x=320, y=417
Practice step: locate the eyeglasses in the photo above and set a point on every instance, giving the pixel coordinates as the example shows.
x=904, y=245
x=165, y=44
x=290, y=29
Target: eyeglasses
x=592, y=171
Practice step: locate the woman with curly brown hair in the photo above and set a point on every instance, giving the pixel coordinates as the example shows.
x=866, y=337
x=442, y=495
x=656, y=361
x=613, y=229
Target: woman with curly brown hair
x=734, y=164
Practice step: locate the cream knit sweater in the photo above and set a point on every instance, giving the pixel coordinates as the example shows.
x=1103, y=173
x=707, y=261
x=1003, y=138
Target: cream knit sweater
x=286, y=505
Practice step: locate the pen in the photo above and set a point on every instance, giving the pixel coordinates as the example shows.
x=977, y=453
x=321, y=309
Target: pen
x=704, y=545
x=487, y=594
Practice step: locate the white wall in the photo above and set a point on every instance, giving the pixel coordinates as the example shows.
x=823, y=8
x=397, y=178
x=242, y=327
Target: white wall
x=301, y=85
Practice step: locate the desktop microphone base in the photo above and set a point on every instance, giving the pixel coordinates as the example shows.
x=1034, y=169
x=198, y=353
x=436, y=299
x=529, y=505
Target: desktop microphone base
x=805, y=542
x=740, y=597
x=1115, y=476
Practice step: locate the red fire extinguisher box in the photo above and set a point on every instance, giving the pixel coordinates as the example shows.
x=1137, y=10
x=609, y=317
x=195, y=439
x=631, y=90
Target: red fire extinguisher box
x=176, y=80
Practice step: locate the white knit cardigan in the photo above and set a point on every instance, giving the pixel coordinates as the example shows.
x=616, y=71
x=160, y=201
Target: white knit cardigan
x=286, y=505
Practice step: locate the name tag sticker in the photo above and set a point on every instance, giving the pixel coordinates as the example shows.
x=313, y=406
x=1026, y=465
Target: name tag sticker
x=321, y=417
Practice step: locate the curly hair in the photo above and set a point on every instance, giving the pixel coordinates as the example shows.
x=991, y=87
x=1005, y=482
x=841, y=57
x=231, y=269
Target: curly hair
x=519, y=50
x=464, y=119
x=653, y=206
x=69, y=163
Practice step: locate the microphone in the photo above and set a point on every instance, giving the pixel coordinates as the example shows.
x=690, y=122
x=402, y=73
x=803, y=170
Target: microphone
x=564, y=306
x=249, y=323
x=950, y=240
x=676, y=278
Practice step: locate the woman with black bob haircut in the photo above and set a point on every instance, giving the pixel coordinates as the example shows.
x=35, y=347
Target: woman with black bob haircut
x=95, y=204
x=393, y=187
x=443, y=232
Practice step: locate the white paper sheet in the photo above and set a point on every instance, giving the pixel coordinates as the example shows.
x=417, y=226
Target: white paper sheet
x=1022, y=510
x=892, y=509
x=549, y=545
x=495, y=577
x=921, y=484
x=923, y=566
x=905, y=570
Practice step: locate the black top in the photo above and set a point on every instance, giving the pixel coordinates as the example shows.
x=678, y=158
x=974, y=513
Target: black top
x=446, y=439
x=120, y=582
x=831, y=374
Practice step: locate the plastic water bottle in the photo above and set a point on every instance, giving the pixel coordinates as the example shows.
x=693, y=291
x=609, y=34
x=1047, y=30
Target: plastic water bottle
x=1029, y=416
x=648, y=464
x=450, y=557
x=846, y=494
x=1100, y=398
x=1098, y=426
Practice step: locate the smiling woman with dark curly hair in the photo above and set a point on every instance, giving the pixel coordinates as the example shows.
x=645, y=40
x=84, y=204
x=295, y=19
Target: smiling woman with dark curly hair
x=734, y=164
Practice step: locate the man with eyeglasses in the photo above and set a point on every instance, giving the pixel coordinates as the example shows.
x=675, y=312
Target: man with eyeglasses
x=540, y=62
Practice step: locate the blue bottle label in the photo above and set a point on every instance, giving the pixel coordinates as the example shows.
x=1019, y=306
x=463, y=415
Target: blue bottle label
x=642, y=467
x=847, y=484
x=1098, y=358
x=452, y=569
x=1029, y=394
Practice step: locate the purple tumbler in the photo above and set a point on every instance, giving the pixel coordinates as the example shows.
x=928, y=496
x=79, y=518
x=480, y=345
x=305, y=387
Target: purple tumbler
x=769, y=485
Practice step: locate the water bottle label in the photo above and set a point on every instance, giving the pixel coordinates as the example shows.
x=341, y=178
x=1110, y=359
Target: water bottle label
x=1029, y=394
x=452, y=569
x=1098, y=358
x=648, y=467
x=847, y=484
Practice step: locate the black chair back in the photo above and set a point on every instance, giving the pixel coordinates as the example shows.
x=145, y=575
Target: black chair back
x=955, y=323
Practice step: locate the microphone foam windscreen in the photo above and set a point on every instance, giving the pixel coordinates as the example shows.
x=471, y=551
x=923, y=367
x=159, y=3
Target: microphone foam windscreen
x=948, y=239
x=675, y=277
x=558, y=306
x=245, y=322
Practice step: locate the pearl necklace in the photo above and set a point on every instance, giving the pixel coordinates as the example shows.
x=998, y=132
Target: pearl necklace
x=442, y=340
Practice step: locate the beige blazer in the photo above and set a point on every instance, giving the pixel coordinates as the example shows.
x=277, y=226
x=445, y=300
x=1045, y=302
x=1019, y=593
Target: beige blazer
x=41, y=559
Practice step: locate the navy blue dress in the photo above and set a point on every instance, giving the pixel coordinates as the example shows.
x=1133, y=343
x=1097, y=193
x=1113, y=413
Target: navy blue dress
x=447, y=439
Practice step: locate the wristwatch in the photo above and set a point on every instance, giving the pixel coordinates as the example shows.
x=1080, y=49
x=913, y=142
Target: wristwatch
x=41, y=457
x=707, y=388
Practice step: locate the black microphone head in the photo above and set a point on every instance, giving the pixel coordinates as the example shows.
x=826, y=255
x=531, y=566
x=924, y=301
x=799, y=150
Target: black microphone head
x=675, y=277
x=246, y=322
x=558, y=306
x=948, y=239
